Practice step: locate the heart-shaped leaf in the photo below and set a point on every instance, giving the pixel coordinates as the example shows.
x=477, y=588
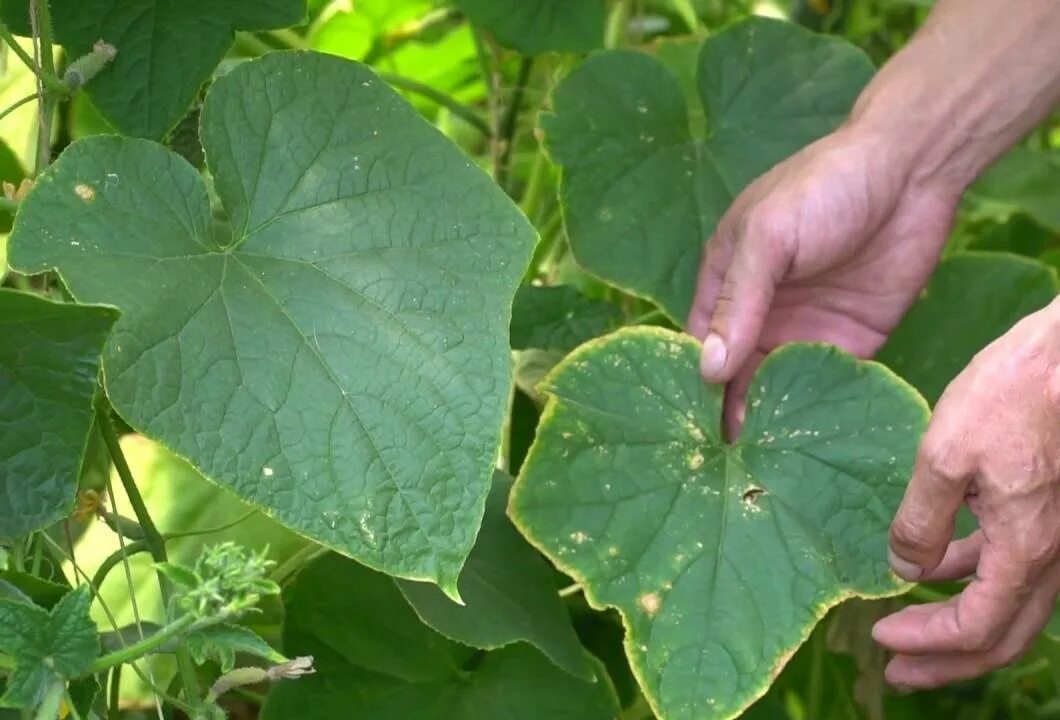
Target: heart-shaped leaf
x=49, y=362
x=166, y=49
x=645, y=180
x=537, y=26
x=973, y=299
x=338, y=354
x=721, y=558
x=375, y=660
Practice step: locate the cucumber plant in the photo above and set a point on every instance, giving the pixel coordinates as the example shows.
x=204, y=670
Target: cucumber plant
x=343, y=373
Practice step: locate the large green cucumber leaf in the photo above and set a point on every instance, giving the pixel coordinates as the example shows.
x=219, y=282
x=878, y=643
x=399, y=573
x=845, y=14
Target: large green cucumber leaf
x=166, y=49
x=49, y=363
x=973, y=298
x=376, y=660
x=47, y=646
x=559, y=318
x=509, y=595
x=645, y=181
x=721, y=558
x=537, y=26
x=341, y=360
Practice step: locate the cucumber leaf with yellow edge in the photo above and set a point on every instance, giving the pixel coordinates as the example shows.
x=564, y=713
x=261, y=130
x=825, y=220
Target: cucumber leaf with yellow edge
x=721, y=558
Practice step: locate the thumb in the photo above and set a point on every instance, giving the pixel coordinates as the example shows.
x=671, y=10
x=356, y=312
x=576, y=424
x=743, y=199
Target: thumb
x=924, y=524
x=758, y=264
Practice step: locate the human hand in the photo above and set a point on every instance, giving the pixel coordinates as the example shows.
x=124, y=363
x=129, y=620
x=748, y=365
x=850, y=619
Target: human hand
x=832, y=245
x=994, y=442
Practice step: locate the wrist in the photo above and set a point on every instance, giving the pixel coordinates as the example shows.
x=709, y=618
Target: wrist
x=971, y=83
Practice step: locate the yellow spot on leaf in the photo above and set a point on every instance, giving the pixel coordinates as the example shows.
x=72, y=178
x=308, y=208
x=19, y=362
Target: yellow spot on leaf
x=85, y=192
x=650, y=602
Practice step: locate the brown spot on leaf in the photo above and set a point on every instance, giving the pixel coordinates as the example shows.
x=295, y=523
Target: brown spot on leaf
x=751, y=495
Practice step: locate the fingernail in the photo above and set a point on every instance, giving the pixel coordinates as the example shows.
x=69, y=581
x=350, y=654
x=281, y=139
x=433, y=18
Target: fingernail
x=712, y=361
x=904, y=568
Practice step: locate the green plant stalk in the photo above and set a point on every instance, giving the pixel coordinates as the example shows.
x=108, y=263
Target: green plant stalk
x=511, y=122
x=114, y=694
x=288, y=38
x=48, y=98
x=71, y=708
x=618, y=24
x=155, y=543
x=7, y=663
x=492, y=80
x=143, y=647
x=51, y=82
x=250, y=44
x=16, y=105
x=135, y=605
x=49, y=707
x=139, y=546
x=533, y=195
x=687, y=11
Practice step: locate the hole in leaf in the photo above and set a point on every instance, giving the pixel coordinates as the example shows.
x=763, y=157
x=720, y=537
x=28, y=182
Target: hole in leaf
x=751, y=494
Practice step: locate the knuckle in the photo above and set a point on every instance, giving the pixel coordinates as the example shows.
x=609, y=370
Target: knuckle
x=980, y=638
x=945, y=460
x=1006, y=653
x=911, y=532
x=769, y=226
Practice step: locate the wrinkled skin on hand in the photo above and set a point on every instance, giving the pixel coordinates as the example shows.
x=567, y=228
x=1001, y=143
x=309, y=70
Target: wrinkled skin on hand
x=994, y=442
x=832, y=245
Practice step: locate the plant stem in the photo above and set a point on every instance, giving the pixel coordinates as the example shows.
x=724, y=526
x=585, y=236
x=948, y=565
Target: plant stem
x=38, y=557
x=17, y=104
x=511, y=120
x=7, y=663
x=250, y=44
x=70, y=707
x=292, y=564
x=648, y=317
x=143, y=647
x=52, y=701
x=114, y=694
x=155, y=543
x=618, y=24
x=535, y=185
x=40, y=14
x=491, y=77
x=8, y=37
x=454, y=106
x=570, y=590
x=288, y=38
